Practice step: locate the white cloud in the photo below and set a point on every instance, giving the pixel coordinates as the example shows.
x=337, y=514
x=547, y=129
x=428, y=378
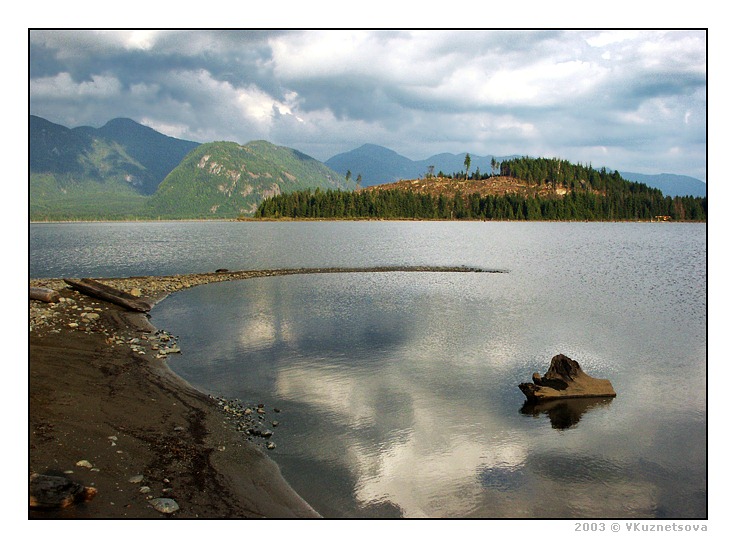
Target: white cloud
x=141, y=39
x=607, y=38
x=165, y=127
x=63, y=86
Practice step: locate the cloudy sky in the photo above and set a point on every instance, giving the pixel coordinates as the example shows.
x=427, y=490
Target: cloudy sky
x=628, y=100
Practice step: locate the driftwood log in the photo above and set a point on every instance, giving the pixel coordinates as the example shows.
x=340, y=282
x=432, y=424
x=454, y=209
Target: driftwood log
x=565, y=379
x=44, y=294
x=107, y=293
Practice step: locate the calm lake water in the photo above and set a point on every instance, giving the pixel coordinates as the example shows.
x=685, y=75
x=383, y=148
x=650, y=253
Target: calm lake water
x=399, y=391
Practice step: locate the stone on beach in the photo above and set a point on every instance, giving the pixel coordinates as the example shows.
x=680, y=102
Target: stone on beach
x=164, y=505
x=565, y=379
x=55, y=492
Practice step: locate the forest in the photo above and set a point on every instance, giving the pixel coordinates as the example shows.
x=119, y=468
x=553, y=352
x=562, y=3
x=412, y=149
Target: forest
x=590, y=195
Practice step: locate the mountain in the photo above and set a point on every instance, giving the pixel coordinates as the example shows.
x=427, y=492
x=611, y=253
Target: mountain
x=378, y=165
x=121, y=151
x=156, y=152
x=374, y=164
x=225, y=179
x=98, y=173
x=670, y=184
x=125, y=170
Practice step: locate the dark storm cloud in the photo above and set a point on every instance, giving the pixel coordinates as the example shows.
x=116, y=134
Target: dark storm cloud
x=632, y=100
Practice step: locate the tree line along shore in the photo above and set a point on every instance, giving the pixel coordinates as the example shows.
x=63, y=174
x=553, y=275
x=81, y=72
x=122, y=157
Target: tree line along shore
x=523, y=189
x=405, y=204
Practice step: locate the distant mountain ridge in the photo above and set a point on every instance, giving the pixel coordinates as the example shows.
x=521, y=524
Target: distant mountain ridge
x=378, y=165
x=670, y=184
x=120, y=151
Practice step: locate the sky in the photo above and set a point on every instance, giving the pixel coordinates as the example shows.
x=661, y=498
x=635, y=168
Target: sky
x=629, y=100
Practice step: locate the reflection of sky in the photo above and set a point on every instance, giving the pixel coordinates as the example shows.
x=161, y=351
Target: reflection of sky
x=412, y=379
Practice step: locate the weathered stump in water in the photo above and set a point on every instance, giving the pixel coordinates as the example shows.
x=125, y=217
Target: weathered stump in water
x=565, y=379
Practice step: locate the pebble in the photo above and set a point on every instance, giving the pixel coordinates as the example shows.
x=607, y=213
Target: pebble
x=135, y=479
x=84, y=463
x=144, y=489
x=165, y=505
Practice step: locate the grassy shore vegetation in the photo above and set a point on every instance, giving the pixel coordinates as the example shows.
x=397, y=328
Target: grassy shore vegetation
x=579, y=193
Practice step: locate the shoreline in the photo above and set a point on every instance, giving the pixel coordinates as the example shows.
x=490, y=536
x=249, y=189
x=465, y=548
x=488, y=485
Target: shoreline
x=350, y=219
x=107, y=413
x=105, y=410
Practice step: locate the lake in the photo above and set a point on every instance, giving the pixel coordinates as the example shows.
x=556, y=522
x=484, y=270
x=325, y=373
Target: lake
x=398, y=391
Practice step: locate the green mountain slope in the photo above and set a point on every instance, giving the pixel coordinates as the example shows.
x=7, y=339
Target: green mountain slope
x=159, y=154
x=227, y=180
x=121, y=151
x=89, y=173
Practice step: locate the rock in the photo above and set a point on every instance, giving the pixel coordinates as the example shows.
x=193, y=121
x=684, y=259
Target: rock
x=135, y=479
x=165, y=505
x=565, y=379
x=53, y=492
x=136, y=292
x=84, y=463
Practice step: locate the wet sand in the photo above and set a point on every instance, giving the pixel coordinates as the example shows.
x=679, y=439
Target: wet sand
x=105, y=410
